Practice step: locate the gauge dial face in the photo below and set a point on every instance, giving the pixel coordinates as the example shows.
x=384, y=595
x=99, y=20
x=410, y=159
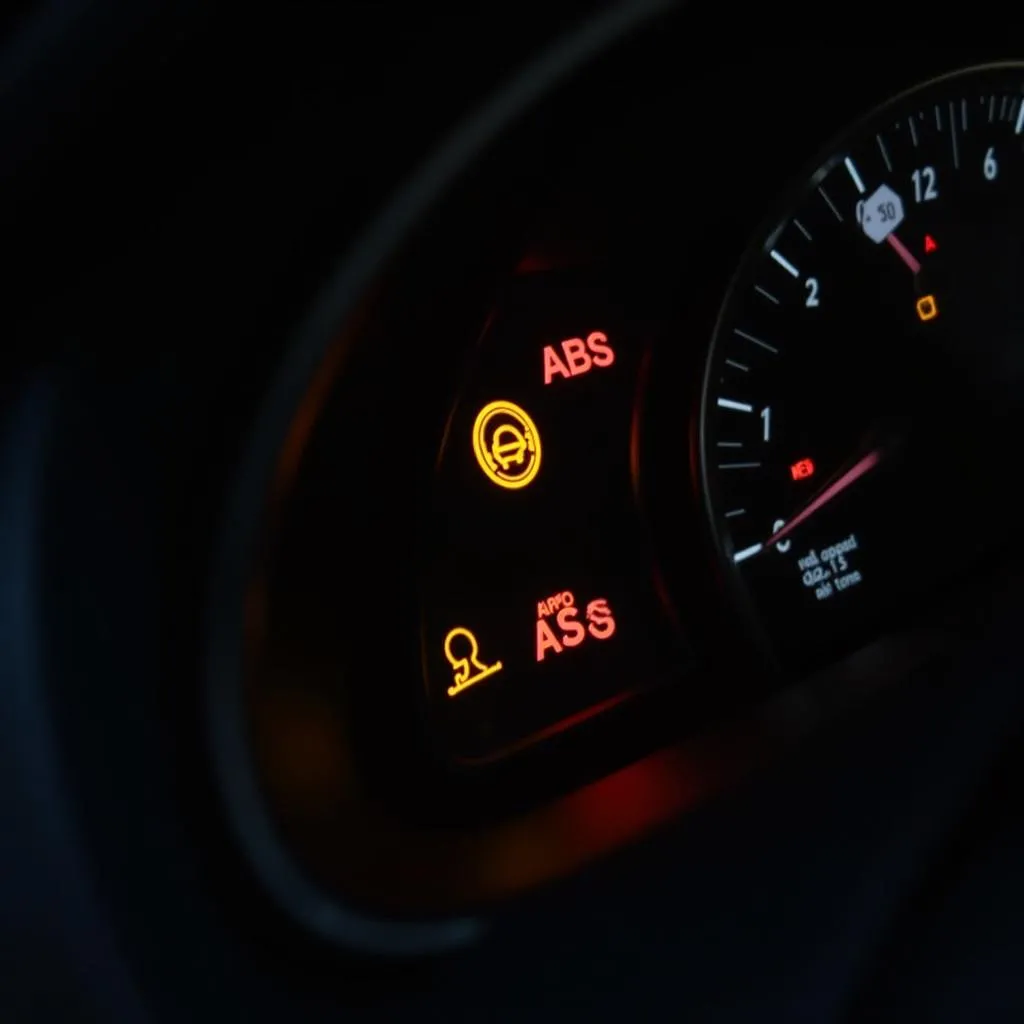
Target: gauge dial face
x=861, y=430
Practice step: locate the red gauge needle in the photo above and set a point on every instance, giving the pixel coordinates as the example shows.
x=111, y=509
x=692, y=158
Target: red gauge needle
x=904, y=253
x=853, y=474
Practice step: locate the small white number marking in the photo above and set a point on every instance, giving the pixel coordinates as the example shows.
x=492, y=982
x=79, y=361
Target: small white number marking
x=925, y=185
x=784, y=545
x=990, y=165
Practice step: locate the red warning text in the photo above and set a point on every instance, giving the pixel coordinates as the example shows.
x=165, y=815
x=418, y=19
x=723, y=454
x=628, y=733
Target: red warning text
x=577, y=356
x=560, y=627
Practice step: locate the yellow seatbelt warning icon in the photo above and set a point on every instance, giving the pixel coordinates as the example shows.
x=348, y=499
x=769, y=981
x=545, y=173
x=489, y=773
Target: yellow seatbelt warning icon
x=463, y=653
x=506, y=444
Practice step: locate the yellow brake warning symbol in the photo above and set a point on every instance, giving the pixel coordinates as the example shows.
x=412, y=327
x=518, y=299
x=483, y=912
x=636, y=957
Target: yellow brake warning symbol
x=506, y=444
x=463, y=653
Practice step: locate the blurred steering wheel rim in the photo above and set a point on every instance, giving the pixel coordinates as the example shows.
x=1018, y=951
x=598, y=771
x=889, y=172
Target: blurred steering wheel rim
x=253, y=830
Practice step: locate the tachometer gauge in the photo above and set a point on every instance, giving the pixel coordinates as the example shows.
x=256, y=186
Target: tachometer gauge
x=861, y=430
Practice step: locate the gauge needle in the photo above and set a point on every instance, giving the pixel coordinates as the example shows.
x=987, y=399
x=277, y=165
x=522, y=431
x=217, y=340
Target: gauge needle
x=904, y=253
x=862, y=466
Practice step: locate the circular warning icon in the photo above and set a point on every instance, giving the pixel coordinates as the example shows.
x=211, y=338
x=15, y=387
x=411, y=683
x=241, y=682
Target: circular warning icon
x=506, y=444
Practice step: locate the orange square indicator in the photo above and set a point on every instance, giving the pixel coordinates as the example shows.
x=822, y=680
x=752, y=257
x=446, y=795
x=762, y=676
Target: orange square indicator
x=927, y=308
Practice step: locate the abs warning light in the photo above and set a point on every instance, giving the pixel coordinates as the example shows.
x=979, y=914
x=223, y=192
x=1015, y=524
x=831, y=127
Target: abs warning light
x=802, y=470
x=577, y=356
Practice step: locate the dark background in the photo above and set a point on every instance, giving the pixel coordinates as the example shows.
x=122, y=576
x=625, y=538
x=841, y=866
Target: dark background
x=177, y=185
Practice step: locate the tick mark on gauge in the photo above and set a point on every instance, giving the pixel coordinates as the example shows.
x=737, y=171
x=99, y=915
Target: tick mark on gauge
x=768, y=295
x=853, y=174
x=1002, y=108
x=1019, y=126
x=756, y=341
x=991, y=109
x=784, y=263
x=730, y=444
x=746, y=553
x=728, y=403
x=952, y=134
x=913, y=130
x=735, y=512
x=831, y=205
x=803, y=231
x=938, y=118
x=885, y=153
x=737, y=366
x=739, y=465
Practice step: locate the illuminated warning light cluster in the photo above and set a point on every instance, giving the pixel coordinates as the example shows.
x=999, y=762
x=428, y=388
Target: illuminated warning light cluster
x=802, y=470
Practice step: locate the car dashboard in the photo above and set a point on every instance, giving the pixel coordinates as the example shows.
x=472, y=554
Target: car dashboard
x=506, y=528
